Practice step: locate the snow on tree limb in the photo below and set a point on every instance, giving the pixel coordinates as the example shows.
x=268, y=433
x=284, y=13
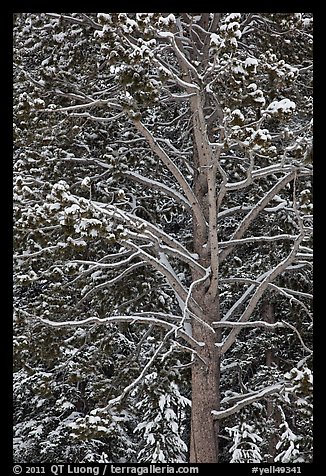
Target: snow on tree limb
x=254, y=239
x=254, y=397
x=156, y=148
x=135, y=222
x=158, y=186
x=111, y=282
x=178, y=53
x=140, y=319
x=79, y=21
x=170, y=276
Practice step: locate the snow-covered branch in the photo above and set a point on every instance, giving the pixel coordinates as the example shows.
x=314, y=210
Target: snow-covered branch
x=254, y=397
x=289, y=293
x=213, y=238
x=231, y=186
x=168, y=274
x=94, y=265
x=242, y=298
x=242, y=209
x=134, y=383
x=111, y=282
x=99, y=264
x=48, y=249
x=138, y=223
x=171, y=166
x=178, y=80
x=193, y=284
x=181, y=57
x=185, y=258
x=133, y=319
x=97, y=102
x=160, y=186
x=253, y=239
x=96, y=118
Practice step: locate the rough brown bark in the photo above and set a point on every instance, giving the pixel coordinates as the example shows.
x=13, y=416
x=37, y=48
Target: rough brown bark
x=205, y=398
x=206, y=369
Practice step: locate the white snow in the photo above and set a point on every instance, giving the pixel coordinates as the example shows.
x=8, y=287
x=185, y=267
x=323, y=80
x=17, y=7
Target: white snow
x=252, y=87
x=261, y=134
x=165, y=34
x=72, y=209
x=59, y=37
x=238, y=113
x=284, y=105
x=250, y=62
x=216, y=39
x=66, y=405
x=104, y=16
x=233, y=25
x=162, y=402
x=86, y=182
x=55, y=206
x=233, y=17
x=94, y=419
x=167, y=20
x=234, y=42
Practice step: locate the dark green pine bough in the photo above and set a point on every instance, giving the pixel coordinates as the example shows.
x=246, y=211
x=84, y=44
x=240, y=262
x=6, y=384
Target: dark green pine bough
x=163, y=237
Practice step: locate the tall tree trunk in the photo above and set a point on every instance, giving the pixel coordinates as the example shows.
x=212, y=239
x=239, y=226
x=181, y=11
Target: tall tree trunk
x=206, y=367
